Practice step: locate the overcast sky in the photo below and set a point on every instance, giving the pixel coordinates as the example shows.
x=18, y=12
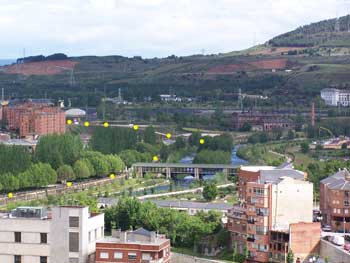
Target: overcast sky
x=151, y=28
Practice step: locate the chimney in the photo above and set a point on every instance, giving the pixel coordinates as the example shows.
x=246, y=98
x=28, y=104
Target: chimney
x=153, y=237
x=123, y=236
x=313, y=114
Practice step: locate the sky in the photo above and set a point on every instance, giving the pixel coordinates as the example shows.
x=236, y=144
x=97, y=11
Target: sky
x=151, y=28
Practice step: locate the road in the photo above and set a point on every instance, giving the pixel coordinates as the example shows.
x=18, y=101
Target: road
x=188, y=191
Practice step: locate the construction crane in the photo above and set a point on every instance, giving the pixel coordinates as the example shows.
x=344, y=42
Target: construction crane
x=72, y=77
x=325, y=129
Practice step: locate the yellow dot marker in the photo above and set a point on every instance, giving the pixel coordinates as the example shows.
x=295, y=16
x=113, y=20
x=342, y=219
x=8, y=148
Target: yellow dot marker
x=69, y=184
x=136, y=127
x=106, y=124
x=168, y=135
x=10, y=195
x=155, y=158
x=69, y=122
x=86, y=124
x=112, y=176
x=201, y=141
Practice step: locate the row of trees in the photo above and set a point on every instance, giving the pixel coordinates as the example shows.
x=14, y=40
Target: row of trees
x=183, y=230
x=57, y=158
x=37, y=175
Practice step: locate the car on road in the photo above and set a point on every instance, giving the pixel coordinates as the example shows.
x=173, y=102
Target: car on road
x=347, y=247
x=326, y=228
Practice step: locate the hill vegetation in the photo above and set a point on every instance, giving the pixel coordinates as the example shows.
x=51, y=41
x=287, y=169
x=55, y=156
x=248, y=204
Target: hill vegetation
x=330, y=33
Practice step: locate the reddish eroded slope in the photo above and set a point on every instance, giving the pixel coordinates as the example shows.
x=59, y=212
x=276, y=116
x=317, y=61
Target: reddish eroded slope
x=253, y=65
x=40, y=68
x=270, y=64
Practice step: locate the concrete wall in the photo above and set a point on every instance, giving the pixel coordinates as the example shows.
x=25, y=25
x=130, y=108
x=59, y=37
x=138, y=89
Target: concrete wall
x=333, y=252
x=30, y=247
x=177, y=258
x=292, y=202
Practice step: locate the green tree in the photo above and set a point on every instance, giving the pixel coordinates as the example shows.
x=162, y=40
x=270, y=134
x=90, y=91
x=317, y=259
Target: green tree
x=81, y=169
x=304, y=146
x=65, y=172
x=149, y=135
x=290, y=257
x=210, y=191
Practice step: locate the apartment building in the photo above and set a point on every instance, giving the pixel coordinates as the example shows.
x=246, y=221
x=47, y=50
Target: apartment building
x=335, y=201
x=64, y=234
x=30, y=119
x=336, y=97
x=139, y=246
x=274, y=203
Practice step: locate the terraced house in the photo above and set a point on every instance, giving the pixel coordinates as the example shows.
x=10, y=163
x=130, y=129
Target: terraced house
x=274, y=215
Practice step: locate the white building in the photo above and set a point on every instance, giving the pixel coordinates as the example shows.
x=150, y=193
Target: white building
x=336, y=97
x=33, y=235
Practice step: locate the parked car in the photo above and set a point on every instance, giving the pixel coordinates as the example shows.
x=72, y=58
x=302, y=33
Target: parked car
x=347, y=247
x=326, y=228
x=338, y=240
x=347, y=237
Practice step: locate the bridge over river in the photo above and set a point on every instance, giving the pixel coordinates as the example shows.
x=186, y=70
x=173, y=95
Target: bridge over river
x=173, y=169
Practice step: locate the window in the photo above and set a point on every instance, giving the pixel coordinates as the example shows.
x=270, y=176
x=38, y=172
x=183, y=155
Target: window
x=73, y=221
x=132, y=256
x=102, y=232
x=146, y=256
x=104, y=255
x=43, y=238
x=18, y=259
x=95, y=234
x=73, y=242
x=346, y=202
x=43, y=259
x=118, y=255
x=18, y=237
x=90, y=236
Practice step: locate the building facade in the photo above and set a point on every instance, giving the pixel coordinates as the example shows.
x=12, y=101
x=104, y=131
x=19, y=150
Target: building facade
x=271, y=200
x=262, y=121
x=139, y=246
x=30, y=119
x=335, y=201
x=65, y=234
x=336, y=97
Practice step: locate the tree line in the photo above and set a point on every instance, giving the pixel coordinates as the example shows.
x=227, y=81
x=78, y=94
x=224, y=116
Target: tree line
x=57, y=158
x=183, y=230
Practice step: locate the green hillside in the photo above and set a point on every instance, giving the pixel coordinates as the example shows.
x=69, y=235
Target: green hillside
x=332, y=33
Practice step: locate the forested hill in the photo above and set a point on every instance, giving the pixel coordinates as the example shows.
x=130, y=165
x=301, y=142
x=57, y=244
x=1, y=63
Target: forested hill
x=332, y=32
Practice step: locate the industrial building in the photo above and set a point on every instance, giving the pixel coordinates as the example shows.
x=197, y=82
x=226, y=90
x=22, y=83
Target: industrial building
x=335, y=201
x=274, y=214
x=29, y=119
x=137, y=246
x=64, y=234
x=262, y=121
x=336, y=97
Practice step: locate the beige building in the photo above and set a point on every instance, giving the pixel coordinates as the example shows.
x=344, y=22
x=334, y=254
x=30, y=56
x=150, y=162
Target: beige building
x=65, y=234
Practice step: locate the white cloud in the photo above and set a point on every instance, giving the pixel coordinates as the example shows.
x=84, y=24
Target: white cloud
x=151, y=27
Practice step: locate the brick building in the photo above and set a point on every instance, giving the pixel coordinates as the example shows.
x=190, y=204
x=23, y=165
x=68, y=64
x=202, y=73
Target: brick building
x=262, y=121
x=30, y=119
x=335, y=201
x=137, y=246
x=274, y=215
